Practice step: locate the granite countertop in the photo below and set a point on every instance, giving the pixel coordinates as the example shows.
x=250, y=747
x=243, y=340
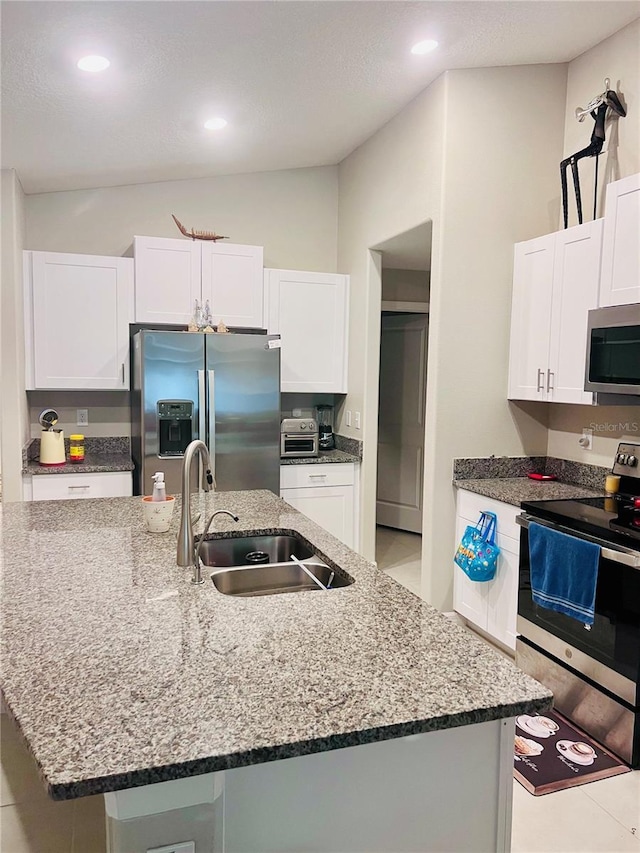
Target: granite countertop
x=103, y=455
x=94, y=463
x=325, y=456
x=515, y=490
x=120, y=673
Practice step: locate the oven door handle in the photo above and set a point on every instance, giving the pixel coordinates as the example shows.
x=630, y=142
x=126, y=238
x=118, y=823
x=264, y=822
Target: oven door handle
x=617, y=555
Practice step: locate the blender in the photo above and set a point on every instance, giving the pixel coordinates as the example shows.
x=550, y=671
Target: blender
x=324, y=417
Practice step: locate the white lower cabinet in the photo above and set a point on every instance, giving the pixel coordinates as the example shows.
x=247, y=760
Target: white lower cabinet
x=326, y=493
x=55, y=487
x=491, y=606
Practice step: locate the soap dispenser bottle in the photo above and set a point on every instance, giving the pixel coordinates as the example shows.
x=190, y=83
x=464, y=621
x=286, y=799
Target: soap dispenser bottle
x=159, y=490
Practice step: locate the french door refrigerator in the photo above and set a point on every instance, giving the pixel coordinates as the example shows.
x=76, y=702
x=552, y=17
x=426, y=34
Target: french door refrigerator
x=223, y=389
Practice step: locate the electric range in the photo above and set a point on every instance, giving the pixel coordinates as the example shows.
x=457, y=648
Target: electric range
x=593, y=670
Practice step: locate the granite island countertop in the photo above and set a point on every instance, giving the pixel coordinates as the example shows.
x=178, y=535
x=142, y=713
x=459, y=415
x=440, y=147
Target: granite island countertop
x=515, y=490
x=120, y=673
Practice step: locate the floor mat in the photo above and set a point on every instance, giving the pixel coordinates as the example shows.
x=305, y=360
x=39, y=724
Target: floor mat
x=551, y=754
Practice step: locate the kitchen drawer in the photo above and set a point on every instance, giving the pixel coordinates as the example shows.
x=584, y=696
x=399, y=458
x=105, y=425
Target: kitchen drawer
x=320, y=474
x=469, y=505
x=54, y=487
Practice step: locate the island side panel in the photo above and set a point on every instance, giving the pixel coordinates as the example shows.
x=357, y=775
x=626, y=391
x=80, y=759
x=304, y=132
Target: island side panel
x=448, y=790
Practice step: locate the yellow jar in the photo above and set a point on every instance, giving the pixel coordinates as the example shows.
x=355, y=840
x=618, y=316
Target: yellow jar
x=76, y=448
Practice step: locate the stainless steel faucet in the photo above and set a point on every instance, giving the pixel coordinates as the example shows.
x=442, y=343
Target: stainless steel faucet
x=197, y=576
x=186, y=555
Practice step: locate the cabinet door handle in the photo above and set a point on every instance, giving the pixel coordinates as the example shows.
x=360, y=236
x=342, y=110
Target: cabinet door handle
x=550, y=374
x=78, y=487
x=122, y=372
x=540, y=386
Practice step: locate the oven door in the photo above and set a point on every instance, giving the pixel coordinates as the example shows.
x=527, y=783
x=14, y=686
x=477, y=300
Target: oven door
x=608, y=652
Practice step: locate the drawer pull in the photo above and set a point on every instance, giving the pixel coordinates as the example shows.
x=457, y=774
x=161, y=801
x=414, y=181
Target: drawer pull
x=317, y=476
x=78, y=487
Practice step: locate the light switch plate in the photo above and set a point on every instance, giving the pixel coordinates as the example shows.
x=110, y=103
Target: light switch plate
x=180, y=847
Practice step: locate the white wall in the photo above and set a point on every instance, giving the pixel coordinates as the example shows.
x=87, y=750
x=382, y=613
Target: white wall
x=610, y=425
x=14, y=422
x=405, y=285
x=618, y=58
x=462, y=154
x=392, y=183
x=292, y=213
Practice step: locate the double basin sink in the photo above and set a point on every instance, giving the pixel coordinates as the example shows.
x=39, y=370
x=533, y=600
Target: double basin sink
x=263, y=565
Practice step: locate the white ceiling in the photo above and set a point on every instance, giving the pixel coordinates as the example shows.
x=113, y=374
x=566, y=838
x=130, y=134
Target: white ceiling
x=301, y=83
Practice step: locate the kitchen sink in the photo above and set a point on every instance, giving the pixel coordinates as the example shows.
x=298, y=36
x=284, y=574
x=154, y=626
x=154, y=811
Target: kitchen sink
x=262, y=565
x=254, y=550
x=274, y=578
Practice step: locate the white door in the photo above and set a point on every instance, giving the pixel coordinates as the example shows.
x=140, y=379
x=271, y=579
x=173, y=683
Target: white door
x=469, y=597
x=82, y=306
x=530, y=318
x=620, y=283
x=576, y=279
x=168, y=279
x=502, y=593
x=401, y=416
x=233, y=282
x=310, y=313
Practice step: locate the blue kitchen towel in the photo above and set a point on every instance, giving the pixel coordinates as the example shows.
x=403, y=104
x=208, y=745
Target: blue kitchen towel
x=564, y=572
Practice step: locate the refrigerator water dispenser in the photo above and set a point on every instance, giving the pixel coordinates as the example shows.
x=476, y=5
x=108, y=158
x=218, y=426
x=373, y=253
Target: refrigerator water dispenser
x=175, y=426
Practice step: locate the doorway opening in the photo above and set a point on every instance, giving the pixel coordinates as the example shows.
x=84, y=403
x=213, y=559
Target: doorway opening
x=404, y=336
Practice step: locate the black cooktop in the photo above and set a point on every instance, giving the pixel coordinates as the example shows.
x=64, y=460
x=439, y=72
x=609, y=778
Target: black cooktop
x=615, y=518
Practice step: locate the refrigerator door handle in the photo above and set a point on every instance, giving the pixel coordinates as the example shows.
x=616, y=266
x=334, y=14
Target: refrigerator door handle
x=202, y=408
x=212, y=421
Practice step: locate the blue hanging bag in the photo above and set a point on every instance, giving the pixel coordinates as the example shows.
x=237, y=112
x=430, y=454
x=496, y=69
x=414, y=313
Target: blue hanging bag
x=477, y=553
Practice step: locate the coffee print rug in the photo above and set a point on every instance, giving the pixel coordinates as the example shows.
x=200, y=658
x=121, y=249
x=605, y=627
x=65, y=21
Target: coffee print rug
x=551, y=754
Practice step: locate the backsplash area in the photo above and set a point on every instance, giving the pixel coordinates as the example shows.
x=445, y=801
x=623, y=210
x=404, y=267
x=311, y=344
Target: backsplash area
x=109, y=411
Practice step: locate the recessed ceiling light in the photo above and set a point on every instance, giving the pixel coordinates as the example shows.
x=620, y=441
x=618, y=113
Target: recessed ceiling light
x=93, y=63
x=215, y=123
x=423, y=47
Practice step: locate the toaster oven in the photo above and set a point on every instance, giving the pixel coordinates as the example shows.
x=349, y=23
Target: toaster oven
x=299, y=437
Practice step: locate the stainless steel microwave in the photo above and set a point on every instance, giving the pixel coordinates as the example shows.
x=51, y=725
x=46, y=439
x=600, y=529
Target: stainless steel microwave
x=613, y=350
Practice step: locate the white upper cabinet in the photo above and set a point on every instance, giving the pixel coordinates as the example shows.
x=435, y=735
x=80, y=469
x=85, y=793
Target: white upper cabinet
x=171, y=274
x=310, y=313
x=232, y=281
x=77, y=314
x=167, y=276
x=555, y=284
x=531, y=317
x=620, y=281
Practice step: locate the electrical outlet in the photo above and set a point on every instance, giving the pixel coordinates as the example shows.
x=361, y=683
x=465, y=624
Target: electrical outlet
x=297, y=413
x=357, y=420
x=586, y=439
x=180, y=847
x=348, y=417
x=83, y=417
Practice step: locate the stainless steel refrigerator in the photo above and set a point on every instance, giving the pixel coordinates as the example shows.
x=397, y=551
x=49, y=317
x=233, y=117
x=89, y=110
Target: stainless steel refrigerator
x=223, y=389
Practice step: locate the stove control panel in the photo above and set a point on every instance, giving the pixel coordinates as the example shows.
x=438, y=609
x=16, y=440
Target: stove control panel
x=626, y=461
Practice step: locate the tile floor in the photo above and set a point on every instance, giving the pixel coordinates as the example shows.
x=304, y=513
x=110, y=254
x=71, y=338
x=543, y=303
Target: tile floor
x=601, y=817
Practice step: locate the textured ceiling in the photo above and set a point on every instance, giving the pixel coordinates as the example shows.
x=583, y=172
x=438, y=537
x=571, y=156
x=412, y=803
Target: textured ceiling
x=301, y=83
